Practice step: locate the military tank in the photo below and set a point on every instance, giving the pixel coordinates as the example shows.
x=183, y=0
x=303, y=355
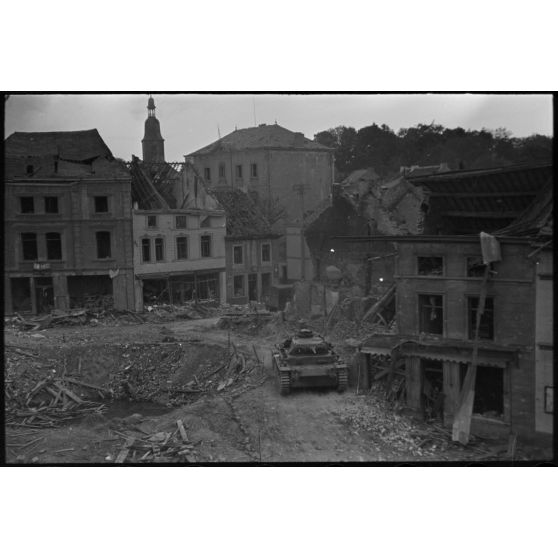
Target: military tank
x=308, y=360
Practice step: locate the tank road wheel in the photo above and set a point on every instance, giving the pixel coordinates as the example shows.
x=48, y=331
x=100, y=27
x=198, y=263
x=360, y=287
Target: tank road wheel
x=285, y=383
x=342, y=381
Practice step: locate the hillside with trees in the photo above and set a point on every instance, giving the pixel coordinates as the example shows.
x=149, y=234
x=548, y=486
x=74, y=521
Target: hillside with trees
x=385, y=150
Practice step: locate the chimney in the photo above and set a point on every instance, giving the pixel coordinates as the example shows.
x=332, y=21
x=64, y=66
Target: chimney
x=298, y=139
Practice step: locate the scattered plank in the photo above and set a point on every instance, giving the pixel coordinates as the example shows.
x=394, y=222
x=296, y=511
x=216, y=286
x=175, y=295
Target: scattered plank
x=182, y=431
x=68, y=392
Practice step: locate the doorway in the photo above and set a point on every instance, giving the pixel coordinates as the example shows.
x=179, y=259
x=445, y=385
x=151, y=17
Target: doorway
x=252, y=286
x=44, y=294
x=432, y=396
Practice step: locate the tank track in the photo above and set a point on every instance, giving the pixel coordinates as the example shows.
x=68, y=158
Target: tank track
x=342, y=381
x=285, y=383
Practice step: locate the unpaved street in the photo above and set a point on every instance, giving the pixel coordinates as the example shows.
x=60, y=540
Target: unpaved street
x=244, y=420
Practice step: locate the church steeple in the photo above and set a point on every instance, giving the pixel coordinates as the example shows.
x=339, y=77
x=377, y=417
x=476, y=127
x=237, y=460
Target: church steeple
x=153, y=143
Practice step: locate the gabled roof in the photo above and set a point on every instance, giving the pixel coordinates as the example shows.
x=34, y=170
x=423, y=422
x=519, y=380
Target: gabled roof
x=264, y=136
x=79, y=146
x=244, y=218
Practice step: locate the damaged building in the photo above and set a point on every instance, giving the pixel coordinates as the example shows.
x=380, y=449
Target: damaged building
x=179, y=234
x=441, y=281
x=68, y=223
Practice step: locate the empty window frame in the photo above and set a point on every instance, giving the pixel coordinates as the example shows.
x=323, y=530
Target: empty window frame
x=181, y=248
x=253, y=170
x=145, y=250
x=222, y=171
x=103, y=244
x=266, y=252
x=101, y=204
x=431, y=314
x=26, y=204
x=238, y=285
x=54, y=246
x=152, y=221
x=180, y=222
x=238, y=171
x=205, y=246
x=205, y=222
x=207, y=174
x=29, y=246
x=486, y=327
x=51, y=204
x=238, y=254
x=159, y=249
x=430, y=265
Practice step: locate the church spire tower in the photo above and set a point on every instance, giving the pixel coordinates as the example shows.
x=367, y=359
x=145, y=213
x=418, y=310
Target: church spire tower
x=152, y=143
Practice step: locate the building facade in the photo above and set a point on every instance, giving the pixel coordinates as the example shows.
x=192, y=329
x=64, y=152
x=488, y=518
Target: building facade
x=68, y=223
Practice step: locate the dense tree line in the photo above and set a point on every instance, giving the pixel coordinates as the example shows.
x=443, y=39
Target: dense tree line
x=429, y=144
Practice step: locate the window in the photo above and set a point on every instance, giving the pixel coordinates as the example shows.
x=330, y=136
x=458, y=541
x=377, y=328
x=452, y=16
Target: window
x=180, y=221
x=486, y=327
x=549, y=399
x=431, y=314
x=54, y=246
x=253, y=170
x=152, y=221
x=26, y=204
x=29, y=245
x=101, y=204
x=475, y=267
x=159, y=250
x=431, y=265
x=181, y=248
x=266, y=253
x=238, y=285
x=103, y=244
x=205, y=246
x=51, y=204
x=237, y=254
x=29, y=169
x=221, y=171
x=238, y=171
x=145, y=250
x=207, y=173
x=205, y=222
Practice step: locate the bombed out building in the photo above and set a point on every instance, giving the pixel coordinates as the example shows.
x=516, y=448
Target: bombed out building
x=68, y=223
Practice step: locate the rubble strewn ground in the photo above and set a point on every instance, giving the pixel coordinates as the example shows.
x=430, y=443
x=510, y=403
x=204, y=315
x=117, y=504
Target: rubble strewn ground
x=194, y=390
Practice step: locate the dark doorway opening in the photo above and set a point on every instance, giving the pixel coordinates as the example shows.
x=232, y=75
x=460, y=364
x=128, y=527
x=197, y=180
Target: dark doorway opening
x=21, y=294
x=432, y=396
x=90, y=291
x=44, y=294
x=252, y=286
x=155, y=291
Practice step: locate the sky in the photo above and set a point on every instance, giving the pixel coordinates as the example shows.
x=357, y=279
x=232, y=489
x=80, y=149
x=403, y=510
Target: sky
x=191, y=121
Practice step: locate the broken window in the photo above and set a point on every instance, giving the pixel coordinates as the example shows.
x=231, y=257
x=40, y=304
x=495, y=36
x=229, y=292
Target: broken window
x=207, y=173
x=266, y=253
x=182, y=248
x=430, y=265
x=26, y=204
x=51, y=204
x=181, y=222
x=254, y=170
x=54, y=246
x=145, y=250
x=159, y=249
x=486, y=327
x=238, y=285
x=475, y=267
x=103, y=244
x=205, y=242
x=152, y=221
x=431, y=314
x=222, y=171
x=238, y=171
x=29, y=246
x=101, y=204
x=237, y=254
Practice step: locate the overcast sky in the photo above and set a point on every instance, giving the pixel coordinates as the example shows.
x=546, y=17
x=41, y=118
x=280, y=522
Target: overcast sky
x=189, y=122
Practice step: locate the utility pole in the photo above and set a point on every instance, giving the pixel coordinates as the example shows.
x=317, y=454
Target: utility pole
x=300, y=189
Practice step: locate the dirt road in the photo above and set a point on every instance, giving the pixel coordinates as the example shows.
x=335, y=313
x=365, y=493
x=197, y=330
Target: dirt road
x=247, y=423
